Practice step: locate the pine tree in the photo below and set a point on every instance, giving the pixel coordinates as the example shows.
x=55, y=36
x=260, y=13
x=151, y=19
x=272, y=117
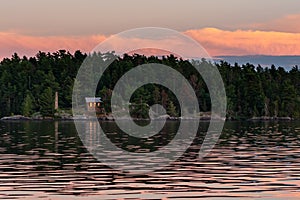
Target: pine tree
x=28, y=105
x=172, y=110
x=47, y=103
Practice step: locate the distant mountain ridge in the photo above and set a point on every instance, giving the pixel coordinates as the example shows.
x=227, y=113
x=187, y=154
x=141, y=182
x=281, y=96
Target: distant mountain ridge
x=264, y=60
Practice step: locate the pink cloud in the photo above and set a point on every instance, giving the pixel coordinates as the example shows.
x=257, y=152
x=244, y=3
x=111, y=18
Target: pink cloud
x=288, y=23
x=30, y=45
x=241, y=42
x=215, y=41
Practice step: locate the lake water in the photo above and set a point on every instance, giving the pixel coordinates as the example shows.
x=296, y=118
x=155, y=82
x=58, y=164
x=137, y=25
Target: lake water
x=259, y=160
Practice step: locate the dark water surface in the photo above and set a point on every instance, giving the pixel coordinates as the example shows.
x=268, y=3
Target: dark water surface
x=251, y=161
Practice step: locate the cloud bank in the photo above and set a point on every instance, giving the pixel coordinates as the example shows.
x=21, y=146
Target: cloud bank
x=247, y=42
x=215, y=41
x=30, y=45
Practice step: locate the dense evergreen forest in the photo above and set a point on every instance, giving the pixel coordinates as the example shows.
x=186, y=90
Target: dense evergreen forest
x=28, y=85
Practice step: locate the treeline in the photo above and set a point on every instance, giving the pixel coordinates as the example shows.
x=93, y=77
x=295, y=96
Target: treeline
x=28, y=85
x=257, y=91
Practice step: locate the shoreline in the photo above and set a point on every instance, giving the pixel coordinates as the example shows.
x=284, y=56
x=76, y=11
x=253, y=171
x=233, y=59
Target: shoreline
x=167, y=118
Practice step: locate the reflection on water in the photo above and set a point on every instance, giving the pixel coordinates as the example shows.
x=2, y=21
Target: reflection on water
x=48, y=160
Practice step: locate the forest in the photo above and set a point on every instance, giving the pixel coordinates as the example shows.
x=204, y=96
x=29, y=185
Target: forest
x=28, y=85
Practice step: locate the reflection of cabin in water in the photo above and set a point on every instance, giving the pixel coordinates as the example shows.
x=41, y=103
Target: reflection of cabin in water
x=93, y=103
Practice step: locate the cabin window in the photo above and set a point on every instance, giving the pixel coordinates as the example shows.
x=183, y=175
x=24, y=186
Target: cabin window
x=91, y=104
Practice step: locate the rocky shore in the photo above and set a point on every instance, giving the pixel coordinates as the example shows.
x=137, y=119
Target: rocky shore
x=266, y=118
x=110, y=118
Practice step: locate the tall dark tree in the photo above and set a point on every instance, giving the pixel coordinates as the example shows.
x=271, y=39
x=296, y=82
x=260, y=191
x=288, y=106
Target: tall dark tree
x=46, y=102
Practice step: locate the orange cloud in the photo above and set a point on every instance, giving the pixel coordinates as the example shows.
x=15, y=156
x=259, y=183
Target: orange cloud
x=30, y=45
x=288, y=23
x=241, y=42
x=215, y=41
x=176, y=44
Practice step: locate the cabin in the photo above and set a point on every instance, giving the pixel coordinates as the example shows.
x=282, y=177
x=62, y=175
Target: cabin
x=93, y=103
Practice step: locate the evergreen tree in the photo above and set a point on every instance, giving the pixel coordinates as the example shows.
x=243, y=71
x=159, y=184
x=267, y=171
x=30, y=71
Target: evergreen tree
x=47, y=103
x=172, y=110
x=28, y=105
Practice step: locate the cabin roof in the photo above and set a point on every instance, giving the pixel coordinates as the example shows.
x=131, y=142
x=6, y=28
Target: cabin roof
x=93, y=99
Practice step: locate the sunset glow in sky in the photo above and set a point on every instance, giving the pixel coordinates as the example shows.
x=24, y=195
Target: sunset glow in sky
x=231, y=27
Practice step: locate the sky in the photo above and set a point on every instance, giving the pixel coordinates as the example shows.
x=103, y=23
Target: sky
x=222, y=27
